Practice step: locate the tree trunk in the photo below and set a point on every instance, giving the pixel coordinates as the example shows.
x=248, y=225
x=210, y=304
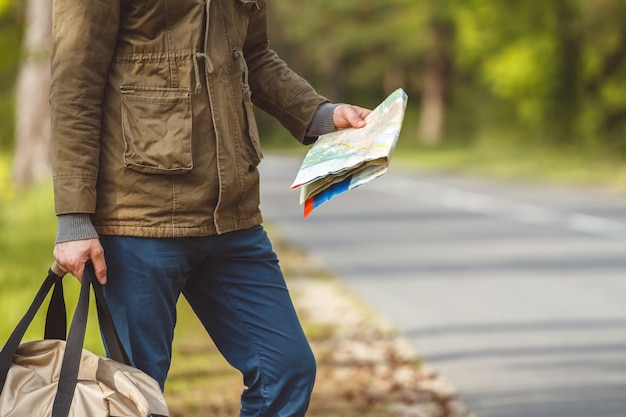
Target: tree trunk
x=32, y=128
x=436, y=77
x=332, y=71
x=564, y=107
x=433, y=107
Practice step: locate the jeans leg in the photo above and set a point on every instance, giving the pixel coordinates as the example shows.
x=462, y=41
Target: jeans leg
x=145, y=278
x=241, y=298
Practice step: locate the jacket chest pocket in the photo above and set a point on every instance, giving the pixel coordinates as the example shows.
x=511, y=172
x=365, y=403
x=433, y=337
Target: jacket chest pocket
x=157, y=129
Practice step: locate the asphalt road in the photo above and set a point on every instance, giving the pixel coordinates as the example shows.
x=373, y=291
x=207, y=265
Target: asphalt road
x=516, y=293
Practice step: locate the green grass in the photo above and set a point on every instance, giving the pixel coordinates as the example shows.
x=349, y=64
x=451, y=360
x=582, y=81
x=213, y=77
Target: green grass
x=541, y=164
x=199, y=374
x=27, y=231
x=27, y=228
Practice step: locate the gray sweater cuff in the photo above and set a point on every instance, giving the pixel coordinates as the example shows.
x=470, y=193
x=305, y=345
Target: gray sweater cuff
x=322, y=120
x=75, y=227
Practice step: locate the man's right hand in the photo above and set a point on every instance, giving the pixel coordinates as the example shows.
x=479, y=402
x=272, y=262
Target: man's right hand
x=71, y=257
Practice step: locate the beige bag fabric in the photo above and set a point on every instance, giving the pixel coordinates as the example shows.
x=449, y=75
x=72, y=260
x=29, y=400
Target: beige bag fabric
x=56, y=378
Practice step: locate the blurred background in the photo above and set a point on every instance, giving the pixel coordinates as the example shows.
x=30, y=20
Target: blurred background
x=486, y=79
x=514, y=86
x=529, y=90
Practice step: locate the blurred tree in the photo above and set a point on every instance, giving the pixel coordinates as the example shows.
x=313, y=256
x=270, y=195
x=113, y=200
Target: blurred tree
x=510, y=48
x=4, y=4
x=361, y=51
x=604, y=73
x=555, y=71
x=10, y=38
x=437, y=68
x=560, y=64
x=551, y=70
x=32, y=132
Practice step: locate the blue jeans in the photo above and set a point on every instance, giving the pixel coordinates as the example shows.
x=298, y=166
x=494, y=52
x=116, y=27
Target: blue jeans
x=236, y=288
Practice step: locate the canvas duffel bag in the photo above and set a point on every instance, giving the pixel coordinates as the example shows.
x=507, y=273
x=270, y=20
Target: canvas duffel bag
x=58, y=378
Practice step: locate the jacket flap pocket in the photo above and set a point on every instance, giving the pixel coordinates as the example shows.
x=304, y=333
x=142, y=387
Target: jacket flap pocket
x=157, y=129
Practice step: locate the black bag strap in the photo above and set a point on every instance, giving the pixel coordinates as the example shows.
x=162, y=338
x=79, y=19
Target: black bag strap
x=10, y=347
x=112, y=339
x=56, y=316
x=68, y=377
x=55, y=329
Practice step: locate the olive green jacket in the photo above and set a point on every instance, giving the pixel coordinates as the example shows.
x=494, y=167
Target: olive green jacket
x=153, y=132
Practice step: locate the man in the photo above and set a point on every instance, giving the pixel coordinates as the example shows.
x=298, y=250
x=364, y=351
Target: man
x=155, y=154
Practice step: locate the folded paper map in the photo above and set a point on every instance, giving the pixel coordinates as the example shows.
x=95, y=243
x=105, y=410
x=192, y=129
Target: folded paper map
x=342, y=160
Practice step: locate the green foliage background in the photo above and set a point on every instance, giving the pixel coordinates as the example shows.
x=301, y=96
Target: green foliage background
x=533, y=72
x=543, y=73
x=11, y=26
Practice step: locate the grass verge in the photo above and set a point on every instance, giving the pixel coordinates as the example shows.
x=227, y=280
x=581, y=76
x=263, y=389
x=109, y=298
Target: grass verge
x=515, y=162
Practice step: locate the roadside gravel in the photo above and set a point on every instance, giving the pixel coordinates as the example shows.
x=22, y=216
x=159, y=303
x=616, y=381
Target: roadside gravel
x=364, y=367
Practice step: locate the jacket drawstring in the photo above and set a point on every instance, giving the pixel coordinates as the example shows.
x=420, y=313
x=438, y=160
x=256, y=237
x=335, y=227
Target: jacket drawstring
x=238, y=55
x=245, y=86
x=196, y=68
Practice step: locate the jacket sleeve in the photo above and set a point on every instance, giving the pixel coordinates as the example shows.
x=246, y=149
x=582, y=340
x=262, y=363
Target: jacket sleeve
x=84, y=34
x=276, y=89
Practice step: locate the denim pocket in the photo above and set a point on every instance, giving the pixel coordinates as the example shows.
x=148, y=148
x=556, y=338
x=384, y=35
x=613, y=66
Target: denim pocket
x=157, y=128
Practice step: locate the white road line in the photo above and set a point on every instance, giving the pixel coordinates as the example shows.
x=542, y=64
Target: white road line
x=455, y=198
